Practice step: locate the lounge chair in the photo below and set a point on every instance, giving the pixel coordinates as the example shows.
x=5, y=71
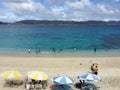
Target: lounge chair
x=38, y=87
x=8, y=83
x=44, y=84
x=89, y=87
x=17, y=82
x=28, y=86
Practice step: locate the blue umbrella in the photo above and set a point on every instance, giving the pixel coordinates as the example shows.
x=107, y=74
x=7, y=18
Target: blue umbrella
x=90, y=77
x=63, y=79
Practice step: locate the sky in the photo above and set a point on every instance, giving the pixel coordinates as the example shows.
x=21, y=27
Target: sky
x=67, y=10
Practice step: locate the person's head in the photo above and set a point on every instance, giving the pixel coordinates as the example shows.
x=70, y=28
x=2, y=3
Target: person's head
x=80, y=80
x=96, y=66
x=40, y=81
x=83, y=81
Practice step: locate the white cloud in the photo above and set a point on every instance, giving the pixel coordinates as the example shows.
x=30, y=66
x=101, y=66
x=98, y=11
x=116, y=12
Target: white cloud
x=9, y=17
x=1, y=12
x=78, y=10
x=25, y=8
x=14, y=1
x=53, y=2
x=75, y=5
x=117, y=0
x=104, y=10
x=85, y=10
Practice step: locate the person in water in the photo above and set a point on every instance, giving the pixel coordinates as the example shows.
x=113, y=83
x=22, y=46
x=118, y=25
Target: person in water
x=94, y=50
x=39, y=50
x=29, y=51
x=54, y=50
x=60, y=50
x=36, y=51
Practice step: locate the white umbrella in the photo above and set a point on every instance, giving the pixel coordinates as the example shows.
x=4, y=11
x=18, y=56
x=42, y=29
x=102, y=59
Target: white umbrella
x=90, y=77
x=63, y=79
x=11, y=75
x=37, y=75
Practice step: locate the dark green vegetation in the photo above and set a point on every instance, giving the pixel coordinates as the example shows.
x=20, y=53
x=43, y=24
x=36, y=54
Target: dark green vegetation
x=3, y=23
x=64, y=22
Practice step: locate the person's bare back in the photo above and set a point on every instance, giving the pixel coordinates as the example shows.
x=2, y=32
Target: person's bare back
x=96, y=70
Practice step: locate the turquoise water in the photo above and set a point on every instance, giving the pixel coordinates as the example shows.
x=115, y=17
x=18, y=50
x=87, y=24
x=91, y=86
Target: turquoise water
x=65, y=37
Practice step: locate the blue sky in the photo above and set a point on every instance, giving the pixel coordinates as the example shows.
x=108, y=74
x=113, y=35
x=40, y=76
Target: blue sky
x=76, y=10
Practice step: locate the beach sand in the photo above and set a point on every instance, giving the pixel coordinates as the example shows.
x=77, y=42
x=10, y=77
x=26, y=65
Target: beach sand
x=72, y=66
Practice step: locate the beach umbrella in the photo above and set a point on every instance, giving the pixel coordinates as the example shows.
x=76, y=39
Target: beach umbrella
x=90, y=77
x=11, y=75
x=37, y=75
x=63, y=79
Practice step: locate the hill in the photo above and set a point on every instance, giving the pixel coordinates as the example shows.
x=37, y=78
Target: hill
x=1, y=23
x=50, y=22
x=68, y=22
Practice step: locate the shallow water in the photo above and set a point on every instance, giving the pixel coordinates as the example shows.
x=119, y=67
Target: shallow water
x=65, y=37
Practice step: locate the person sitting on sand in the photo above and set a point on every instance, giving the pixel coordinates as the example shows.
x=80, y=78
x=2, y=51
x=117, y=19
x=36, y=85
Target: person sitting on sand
x=84, y=85
x=80, y=84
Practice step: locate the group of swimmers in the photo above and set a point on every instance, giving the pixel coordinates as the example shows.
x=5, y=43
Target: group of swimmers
x=37, y=50
x=54, y=50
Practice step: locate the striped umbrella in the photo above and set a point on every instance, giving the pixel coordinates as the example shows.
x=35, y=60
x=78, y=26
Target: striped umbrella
x=90, y=77
x=37, y=75
x=63, y=79
x=11, y=75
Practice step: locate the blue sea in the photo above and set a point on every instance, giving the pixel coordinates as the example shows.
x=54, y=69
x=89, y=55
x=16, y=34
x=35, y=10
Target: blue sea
x=65, y=37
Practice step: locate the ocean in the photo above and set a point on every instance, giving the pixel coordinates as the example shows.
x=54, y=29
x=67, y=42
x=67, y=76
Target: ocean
x=61, y=38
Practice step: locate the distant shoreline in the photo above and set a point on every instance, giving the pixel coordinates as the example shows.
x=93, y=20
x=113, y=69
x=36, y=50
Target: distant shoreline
x=57, y=22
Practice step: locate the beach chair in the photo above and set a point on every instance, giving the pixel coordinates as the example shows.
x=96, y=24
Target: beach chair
x=97, y=88
x=38, y=87
x=28, y=86
x=8, y=83
x=89, y=87
x=67, y=87
x=44, y=84
x=17, y=82
x=54, y=86
x=59, y=88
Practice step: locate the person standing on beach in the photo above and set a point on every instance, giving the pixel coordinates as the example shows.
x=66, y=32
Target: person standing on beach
x=25, y=80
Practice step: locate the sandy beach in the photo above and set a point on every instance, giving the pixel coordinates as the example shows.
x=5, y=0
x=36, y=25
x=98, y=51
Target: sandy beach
x=72, y=66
